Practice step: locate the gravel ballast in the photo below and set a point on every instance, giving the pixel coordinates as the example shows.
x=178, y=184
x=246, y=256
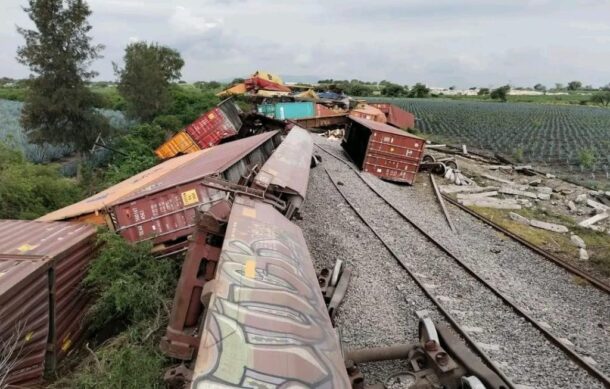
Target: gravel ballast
x=374, y=310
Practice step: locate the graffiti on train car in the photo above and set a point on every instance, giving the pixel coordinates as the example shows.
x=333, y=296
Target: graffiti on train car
x=266, y=324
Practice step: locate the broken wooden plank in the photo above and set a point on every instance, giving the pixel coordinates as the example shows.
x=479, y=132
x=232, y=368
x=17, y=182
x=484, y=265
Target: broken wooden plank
x=498, y=179
x=548, y=226
x=596, y=205
x=592, y=220
x=489, y=202
x=466, y=196
x=449, y=189
x=517, y=192
x=440, y=200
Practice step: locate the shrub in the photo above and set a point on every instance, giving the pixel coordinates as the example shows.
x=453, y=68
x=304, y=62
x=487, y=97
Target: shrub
x=129, y=283
x=587, y=158
x=28, y=191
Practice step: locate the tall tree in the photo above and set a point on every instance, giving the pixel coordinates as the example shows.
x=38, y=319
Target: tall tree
x=145, y=81
x=500, y=93
x=574, y=85
x=419, y=90
x=59, y=105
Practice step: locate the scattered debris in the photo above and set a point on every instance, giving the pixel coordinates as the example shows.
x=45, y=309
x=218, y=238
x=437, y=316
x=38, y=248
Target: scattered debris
x=592, y=220
x=597, y=206
x=544, y=189
x=442, y=203
x=498, y=179
x=517, y=192
x=583, y=254
x=578, y=241
x=572, y=206
x=449, y=189
x=581, y=198
x=548, y=226
x=477, y=195
x=490, y=202
x=518, y=218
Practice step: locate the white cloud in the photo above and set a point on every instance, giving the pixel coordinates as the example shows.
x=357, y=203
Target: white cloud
x=467, y=43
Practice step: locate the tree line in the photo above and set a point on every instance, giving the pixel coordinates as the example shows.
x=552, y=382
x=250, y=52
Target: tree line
x=59, y=106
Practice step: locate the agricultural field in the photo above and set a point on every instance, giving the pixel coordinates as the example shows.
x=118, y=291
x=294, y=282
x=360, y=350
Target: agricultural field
x=572, y=141
x=12, y=134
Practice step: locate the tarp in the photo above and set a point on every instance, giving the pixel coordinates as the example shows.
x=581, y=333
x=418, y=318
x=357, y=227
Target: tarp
x=308, y=94
x=238, y=89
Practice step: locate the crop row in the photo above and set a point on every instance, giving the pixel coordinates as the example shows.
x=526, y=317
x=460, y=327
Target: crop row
x=553, y=134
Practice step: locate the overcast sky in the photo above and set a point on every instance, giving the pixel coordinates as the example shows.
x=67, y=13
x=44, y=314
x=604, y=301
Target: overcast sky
x=438, y=42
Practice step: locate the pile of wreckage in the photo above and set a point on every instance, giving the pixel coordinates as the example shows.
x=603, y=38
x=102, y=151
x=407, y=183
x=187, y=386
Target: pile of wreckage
x=534, y=189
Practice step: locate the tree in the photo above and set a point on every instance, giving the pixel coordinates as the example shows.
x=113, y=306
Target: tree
x=559, y=86
x=540, y=88
x=601, y=98
x=392, y=90
x=574, y=85
x=419, y=90
x=483, y=91
x=145, y=81
x=500, y=93
x=59, y=106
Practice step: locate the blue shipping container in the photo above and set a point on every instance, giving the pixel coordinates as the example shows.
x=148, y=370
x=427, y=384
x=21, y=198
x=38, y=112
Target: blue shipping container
x=281, y=111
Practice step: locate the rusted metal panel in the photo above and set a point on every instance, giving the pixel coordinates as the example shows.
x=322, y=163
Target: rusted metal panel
x=24, y=309
x=368, y=112
x=266, y=323
x=180, y=143
x=97, y=204
x=164, y=210
x=167, y=174
x=323, y=121
x=287, y=170
x=396, y=116
x=384, y=151
x=210, y=128
x=41, y=267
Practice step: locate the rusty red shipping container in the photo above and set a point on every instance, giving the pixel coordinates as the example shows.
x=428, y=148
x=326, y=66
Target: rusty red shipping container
x=41, y=302
x=383, y=150
x=164, y=210
x=215, y=125
x=396, y=116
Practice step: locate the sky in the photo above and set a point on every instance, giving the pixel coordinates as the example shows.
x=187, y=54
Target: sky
x=441, y=43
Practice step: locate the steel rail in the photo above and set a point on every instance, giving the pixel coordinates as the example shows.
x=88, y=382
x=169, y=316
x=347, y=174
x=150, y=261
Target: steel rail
x=600, y=284
x=426, y=291
x=552, y=338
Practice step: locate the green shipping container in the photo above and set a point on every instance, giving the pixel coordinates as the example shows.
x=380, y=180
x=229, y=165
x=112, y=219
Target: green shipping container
x=282, y=111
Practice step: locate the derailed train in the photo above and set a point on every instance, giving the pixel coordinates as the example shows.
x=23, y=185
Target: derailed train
x=250, y=310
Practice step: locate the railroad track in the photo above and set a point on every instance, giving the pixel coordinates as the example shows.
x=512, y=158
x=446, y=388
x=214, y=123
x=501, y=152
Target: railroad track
x=503, y=334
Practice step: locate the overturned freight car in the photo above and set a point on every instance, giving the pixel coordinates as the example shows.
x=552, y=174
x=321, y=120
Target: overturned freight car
x=158, y=204
x=42, y=303
x=207, y=130
x=383, y=150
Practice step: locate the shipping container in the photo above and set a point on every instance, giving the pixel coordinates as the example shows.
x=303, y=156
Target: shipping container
x=213, y=126
x=396, y=116
x=322, y=122
x=368, y=112
x=290, y=110
x=383, y=150
x=159, y=201
x=42, y=303
x=164, y=210
x=181, y=143
x=322, y=110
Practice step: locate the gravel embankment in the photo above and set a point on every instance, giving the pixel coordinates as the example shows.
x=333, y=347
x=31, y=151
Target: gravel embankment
x=375, y=311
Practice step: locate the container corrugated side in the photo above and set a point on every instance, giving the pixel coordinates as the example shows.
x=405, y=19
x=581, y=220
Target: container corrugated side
x=210, y=128
x=42, y=265
x=24, y=310
x=383, y=150
x=167, y=214
x=180, y=143
x=393, y=157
